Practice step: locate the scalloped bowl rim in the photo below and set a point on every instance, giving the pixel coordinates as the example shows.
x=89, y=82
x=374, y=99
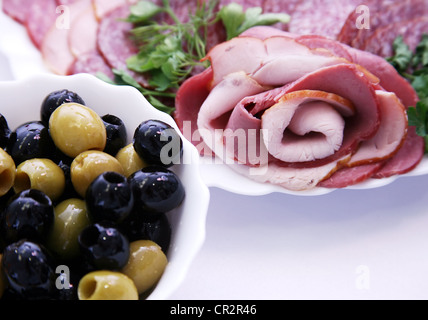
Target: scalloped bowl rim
x=189, y=220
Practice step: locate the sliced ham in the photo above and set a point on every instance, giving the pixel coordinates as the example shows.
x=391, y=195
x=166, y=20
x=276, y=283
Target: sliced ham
x=265, y=59
x=406, y=159
x=331, y=124
x=55, y=47
x=82, y=37
x=43, y=16
x=350, y=176
x=389, y=137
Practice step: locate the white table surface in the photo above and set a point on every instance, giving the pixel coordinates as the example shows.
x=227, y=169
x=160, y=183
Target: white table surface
x=349, y=244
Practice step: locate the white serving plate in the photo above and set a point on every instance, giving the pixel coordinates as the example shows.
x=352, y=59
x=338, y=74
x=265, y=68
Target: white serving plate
x=20, y=101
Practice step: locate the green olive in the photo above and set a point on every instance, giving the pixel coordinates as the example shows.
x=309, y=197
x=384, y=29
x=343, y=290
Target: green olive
x=7, y=172
x=146, y=264
x=71, y=218
x=40, y=174
x=106, y=285
x=76, y=128
x=130, y=160
x=90, y=164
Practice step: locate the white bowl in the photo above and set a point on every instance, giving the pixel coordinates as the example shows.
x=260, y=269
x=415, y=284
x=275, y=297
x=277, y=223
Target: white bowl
x=20, y=101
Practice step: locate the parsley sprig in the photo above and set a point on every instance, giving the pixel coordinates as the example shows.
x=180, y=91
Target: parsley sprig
x=171, y=52
x=414, y=67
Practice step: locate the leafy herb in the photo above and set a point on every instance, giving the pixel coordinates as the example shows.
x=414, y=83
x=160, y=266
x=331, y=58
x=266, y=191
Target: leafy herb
x=414, y=67
x=169, y=53
x=236, y=21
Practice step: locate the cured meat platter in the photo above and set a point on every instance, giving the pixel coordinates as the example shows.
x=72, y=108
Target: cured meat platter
x=26, y=59
x=339, y=237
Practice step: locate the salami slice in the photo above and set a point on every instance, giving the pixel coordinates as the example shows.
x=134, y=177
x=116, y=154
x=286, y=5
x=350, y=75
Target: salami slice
x=321, y=17
x=390, y=15
x=92, y=63
x=349, y=30
x=114, y=42
x=381, y=42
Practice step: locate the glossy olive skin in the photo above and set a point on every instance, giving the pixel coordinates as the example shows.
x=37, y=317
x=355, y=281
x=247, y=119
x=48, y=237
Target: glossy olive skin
x=40, y=174
x=3, y=283
x=4, y=132
x=71, y=218
x=109, y=197
x=130, y=160
x=88, y=165
x=103, y=246
x=29, y=214
x=140, y=226
x=7, y=172
x=30, y=140
x=55, y=99
x=157, y=143
x=116, y=134
x=106, y=285
x=157, y=189
x=29, y=270
x=75, y=128
x=146, y=264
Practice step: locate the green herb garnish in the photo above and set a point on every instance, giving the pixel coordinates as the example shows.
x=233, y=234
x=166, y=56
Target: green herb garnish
x=414, y=67
x=169, y=53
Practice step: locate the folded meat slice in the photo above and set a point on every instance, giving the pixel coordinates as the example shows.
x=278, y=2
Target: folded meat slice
x=292, y=179
x=218, y=106
x=55, y=47
x=273, y=61
x=305, y=125
x=391, y=133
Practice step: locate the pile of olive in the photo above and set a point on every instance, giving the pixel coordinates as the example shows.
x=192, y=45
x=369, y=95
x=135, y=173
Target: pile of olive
x=83, y=212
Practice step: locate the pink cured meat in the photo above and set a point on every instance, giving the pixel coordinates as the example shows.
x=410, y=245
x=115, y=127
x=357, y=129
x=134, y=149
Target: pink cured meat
x=349, y=30
x=92, y=63
x=389, y=15
x=16, y=9
x=251, y=109
x=114, y=43
x=411, y=153
x=346, y=177
x=321, y=17
x=42, y=17
x=407, y=158
x=411, y=31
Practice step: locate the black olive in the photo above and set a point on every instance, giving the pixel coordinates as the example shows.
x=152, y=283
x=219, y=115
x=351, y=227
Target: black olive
x=116, y=134
x=29, y=214
x=156, y=189
x=157, y=143
x=56, y=99
x=140, y=226
x=29, y=269
x=30, y=140
x=103, y=246
x=4, y=132
x=109, y=197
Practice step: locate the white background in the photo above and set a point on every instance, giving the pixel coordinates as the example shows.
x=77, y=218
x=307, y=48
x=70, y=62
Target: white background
x=349, y=244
